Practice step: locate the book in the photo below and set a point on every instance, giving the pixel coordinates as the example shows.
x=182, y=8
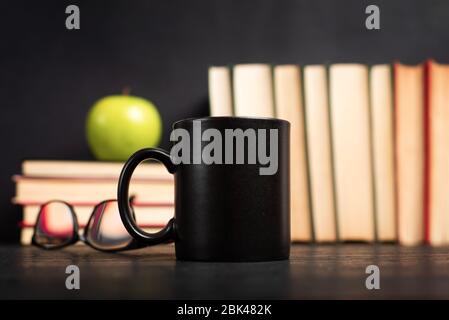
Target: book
x=289, y=106
x=145, y=215
x=409, y=135
x=381, y=99
x=91, y=169
x=253, y=90
x=220, y=91
x=436, y=200
x=349, y=101
x=320, y=153
x=26, y=234
x=84, y=184
x=30, y=189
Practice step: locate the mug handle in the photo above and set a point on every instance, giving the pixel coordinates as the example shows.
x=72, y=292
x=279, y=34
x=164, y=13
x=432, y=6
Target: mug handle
x=126, y=213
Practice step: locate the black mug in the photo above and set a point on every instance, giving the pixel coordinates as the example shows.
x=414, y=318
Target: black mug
x=229, y=205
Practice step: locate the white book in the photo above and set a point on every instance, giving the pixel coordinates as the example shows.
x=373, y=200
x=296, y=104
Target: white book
x=381, y=87
x=320, y=153
x=288, y=101
x=36, y=190
x=409, y=128
x=91, y=169
x=220, y=91
x=253, y=90
x=349, y=99
x=145, y=216
x=26, y=235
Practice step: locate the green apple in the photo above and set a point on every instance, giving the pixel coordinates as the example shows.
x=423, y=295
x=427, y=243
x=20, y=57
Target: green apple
x=117, y=126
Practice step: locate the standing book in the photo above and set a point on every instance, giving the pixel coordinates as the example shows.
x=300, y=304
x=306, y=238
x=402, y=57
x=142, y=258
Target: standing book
x=289, y=106
x=253, y=90
x=349, y=100
x=220, y=91
x=381, y=95
x=320, y=153
x=409, y=132
x=437, y=154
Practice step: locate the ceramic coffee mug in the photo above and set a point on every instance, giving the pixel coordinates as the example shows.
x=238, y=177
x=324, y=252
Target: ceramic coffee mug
x=232, y=193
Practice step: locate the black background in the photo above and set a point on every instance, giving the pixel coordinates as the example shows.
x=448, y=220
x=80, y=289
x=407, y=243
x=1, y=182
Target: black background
x=50, y=76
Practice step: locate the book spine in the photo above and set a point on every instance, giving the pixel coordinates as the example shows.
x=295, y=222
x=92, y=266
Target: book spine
x=427, y=151
x=395, y=169
x=92, y=204
x=24, y=225
x=231, y=81
x=17, y=178
x=371, y=154
x=332, y=154
x=306, y=154
x=395, y=135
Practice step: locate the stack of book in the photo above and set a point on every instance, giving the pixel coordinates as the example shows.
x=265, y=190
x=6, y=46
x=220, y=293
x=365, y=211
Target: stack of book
x=369, y=145
x=84, y=184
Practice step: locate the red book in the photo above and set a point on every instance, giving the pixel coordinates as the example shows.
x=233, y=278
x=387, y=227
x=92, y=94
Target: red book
x=436, y=210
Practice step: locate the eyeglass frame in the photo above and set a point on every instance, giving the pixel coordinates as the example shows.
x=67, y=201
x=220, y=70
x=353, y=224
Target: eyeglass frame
x=133, y=244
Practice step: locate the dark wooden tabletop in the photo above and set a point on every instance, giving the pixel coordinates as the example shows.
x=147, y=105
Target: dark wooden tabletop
x=313, y=271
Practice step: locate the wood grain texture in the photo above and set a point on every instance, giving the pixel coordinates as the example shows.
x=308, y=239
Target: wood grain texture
x=324, y=271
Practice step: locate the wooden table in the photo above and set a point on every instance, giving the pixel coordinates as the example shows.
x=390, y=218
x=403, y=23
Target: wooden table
x=314, y=271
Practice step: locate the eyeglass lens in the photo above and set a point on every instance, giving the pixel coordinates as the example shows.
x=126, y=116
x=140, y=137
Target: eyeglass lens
x=55, y=226
x=105, y=230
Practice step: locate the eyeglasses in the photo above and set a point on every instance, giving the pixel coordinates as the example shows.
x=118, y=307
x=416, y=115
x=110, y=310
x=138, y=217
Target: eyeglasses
x=57, y=227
